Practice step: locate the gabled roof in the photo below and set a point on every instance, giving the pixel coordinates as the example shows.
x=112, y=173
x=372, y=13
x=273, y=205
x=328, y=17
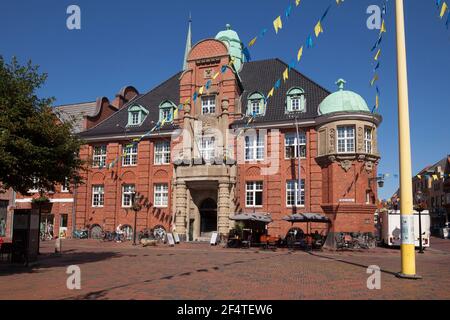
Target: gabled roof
x=260, y=76
x=115, y=124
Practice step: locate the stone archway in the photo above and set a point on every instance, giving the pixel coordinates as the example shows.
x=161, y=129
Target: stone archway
x=208, y=217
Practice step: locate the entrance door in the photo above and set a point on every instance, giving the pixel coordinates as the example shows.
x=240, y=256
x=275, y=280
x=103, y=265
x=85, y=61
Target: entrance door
x=208, y=217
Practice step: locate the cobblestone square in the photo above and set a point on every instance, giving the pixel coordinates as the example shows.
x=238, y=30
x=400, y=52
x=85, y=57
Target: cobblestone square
x=198, y=271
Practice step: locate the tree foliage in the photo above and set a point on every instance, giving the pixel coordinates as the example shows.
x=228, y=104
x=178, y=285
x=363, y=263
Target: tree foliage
x=36, y=149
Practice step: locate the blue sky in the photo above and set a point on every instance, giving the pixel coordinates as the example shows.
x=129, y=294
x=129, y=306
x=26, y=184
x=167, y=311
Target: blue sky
x=141, y=43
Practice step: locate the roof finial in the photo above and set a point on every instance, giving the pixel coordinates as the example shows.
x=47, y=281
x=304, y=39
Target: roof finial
x=341, y=83
x=228, y=26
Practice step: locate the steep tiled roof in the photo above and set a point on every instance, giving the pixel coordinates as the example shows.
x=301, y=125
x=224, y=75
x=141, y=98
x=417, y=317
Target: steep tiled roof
x=115, y=124
x=257, y=76
x=76, y=112
x=260, y=76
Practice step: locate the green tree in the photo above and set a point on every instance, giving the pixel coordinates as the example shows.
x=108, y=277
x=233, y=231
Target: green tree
x=36, y=149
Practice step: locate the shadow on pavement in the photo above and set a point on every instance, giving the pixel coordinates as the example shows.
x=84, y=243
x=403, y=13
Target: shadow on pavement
x=50, y=260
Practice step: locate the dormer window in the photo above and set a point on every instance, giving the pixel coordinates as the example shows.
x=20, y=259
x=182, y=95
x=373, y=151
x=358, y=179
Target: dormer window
x=166, y=111
x=296, y=101
x=255, y=104
x=136, y=115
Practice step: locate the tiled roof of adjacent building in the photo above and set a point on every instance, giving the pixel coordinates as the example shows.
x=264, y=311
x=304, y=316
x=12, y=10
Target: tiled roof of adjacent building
x=256, y=76
x=76, y=112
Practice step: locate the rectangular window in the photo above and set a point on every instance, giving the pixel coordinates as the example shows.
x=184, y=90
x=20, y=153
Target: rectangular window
x=63, y=221
x=135, y=117
x=209, y=105
x=256, y=105
x=254, y=147
x=295, y=145
x=161, y=195
x=166, y=114
x=99, y=158
x=207, y=148
x=294, y=197
x=3, y=217
x=162, y=152
x=346, y=139
x=98, y=196
x=368, y=140
x=130, y=153
x=254, y=194
x=66, y=185
x=127, y=195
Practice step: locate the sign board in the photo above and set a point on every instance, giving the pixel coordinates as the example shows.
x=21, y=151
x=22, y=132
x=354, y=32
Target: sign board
x=176, y=237
x=407, y=228
x=214, y=238
x=170, y=239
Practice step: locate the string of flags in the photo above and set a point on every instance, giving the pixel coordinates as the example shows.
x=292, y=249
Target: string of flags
x=377, y=58
x=443, y=8
x=318, y=29
x=433, y=176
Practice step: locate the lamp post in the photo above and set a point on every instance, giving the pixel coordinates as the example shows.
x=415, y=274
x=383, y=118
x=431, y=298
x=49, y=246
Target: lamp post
x=408, y=259
x=419, y=208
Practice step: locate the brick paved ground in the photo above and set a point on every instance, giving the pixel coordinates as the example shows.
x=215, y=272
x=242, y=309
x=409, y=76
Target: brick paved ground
x=198, y=271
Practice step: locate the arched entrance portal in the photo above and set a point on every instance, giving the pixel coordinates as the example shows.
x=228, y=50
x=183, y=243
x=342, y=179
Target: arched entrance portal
x=208, y=217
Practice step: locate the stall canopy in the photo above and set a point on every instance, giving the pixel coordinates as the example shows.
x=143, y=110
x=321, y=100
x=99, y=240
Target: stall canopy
x=306, y=217
x=258, y=217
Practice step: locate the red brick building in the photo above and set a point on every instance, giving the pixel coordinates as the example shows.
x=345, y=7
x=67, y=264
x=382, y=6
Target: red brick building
x=208, y=162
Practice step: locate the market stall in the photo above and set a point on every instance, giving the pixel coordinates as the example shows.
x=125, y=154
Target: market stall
x=296, y=237
x=249, y=229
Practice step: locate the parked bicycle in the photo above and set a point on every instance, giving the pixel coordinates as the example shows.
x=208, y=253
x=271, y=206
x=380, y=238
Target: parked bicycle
x=81, y=234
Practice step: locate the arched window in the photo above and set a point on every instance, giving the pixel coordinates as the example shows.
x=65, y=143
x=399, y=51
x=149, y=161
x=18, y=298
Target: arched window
x=255, y=104
x=136, y=115
x=296, y=101
x=166, y=111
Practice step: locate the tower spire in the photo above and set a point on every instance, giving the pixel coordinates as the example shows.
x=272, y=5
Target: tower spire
x=188, y=43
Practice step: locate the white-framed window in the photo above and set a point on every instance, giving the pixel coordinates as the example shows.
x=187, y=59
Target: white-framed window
x=295, y=145
x=254, y=147
x=368, y=140
x=99, y=156
x=207, y=147
x=98, y=196
x=166, y=114
x=162, y=152
x=208, y=105
x=346, y=139
x=254, y=194
x=294, y=197
x=135, y=118
x=127, y=195
x=161, y=195
x=255, y=104
x=130, y=153
x=65, y=186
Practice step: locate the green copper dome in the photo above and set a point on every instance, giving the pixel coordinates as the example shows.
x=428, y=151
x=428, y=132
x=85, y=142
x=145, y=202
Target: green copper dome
x=234, y=45
x=343, y=101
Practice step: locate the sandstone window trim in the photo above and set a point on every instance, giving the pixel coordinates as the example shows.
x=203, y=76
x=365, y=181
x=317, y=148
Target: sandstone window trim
x=346, y=139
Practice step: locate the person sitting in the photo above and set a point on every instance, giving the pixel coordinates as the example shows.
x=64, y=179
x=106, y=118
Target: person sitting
x=119, y=233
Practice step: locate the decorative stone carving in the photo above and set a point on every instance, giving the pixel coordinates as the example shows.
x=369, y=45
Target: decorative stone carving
x=187, y=108
x=360, y=139
x=368, y=166
x=208, y=73
x=331, y=147
x=346, y=165
x=225, y=104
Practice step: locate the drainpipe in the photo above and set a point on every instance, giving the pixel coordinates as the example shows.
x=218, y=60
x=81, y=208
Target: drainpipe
x=74, y=206
x=299, y=195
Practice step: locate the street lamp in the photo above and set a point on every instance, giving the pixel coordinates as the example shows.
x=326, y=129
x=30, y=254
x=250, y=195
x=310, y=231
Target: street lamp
x=379, y=180
x=419, y=209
